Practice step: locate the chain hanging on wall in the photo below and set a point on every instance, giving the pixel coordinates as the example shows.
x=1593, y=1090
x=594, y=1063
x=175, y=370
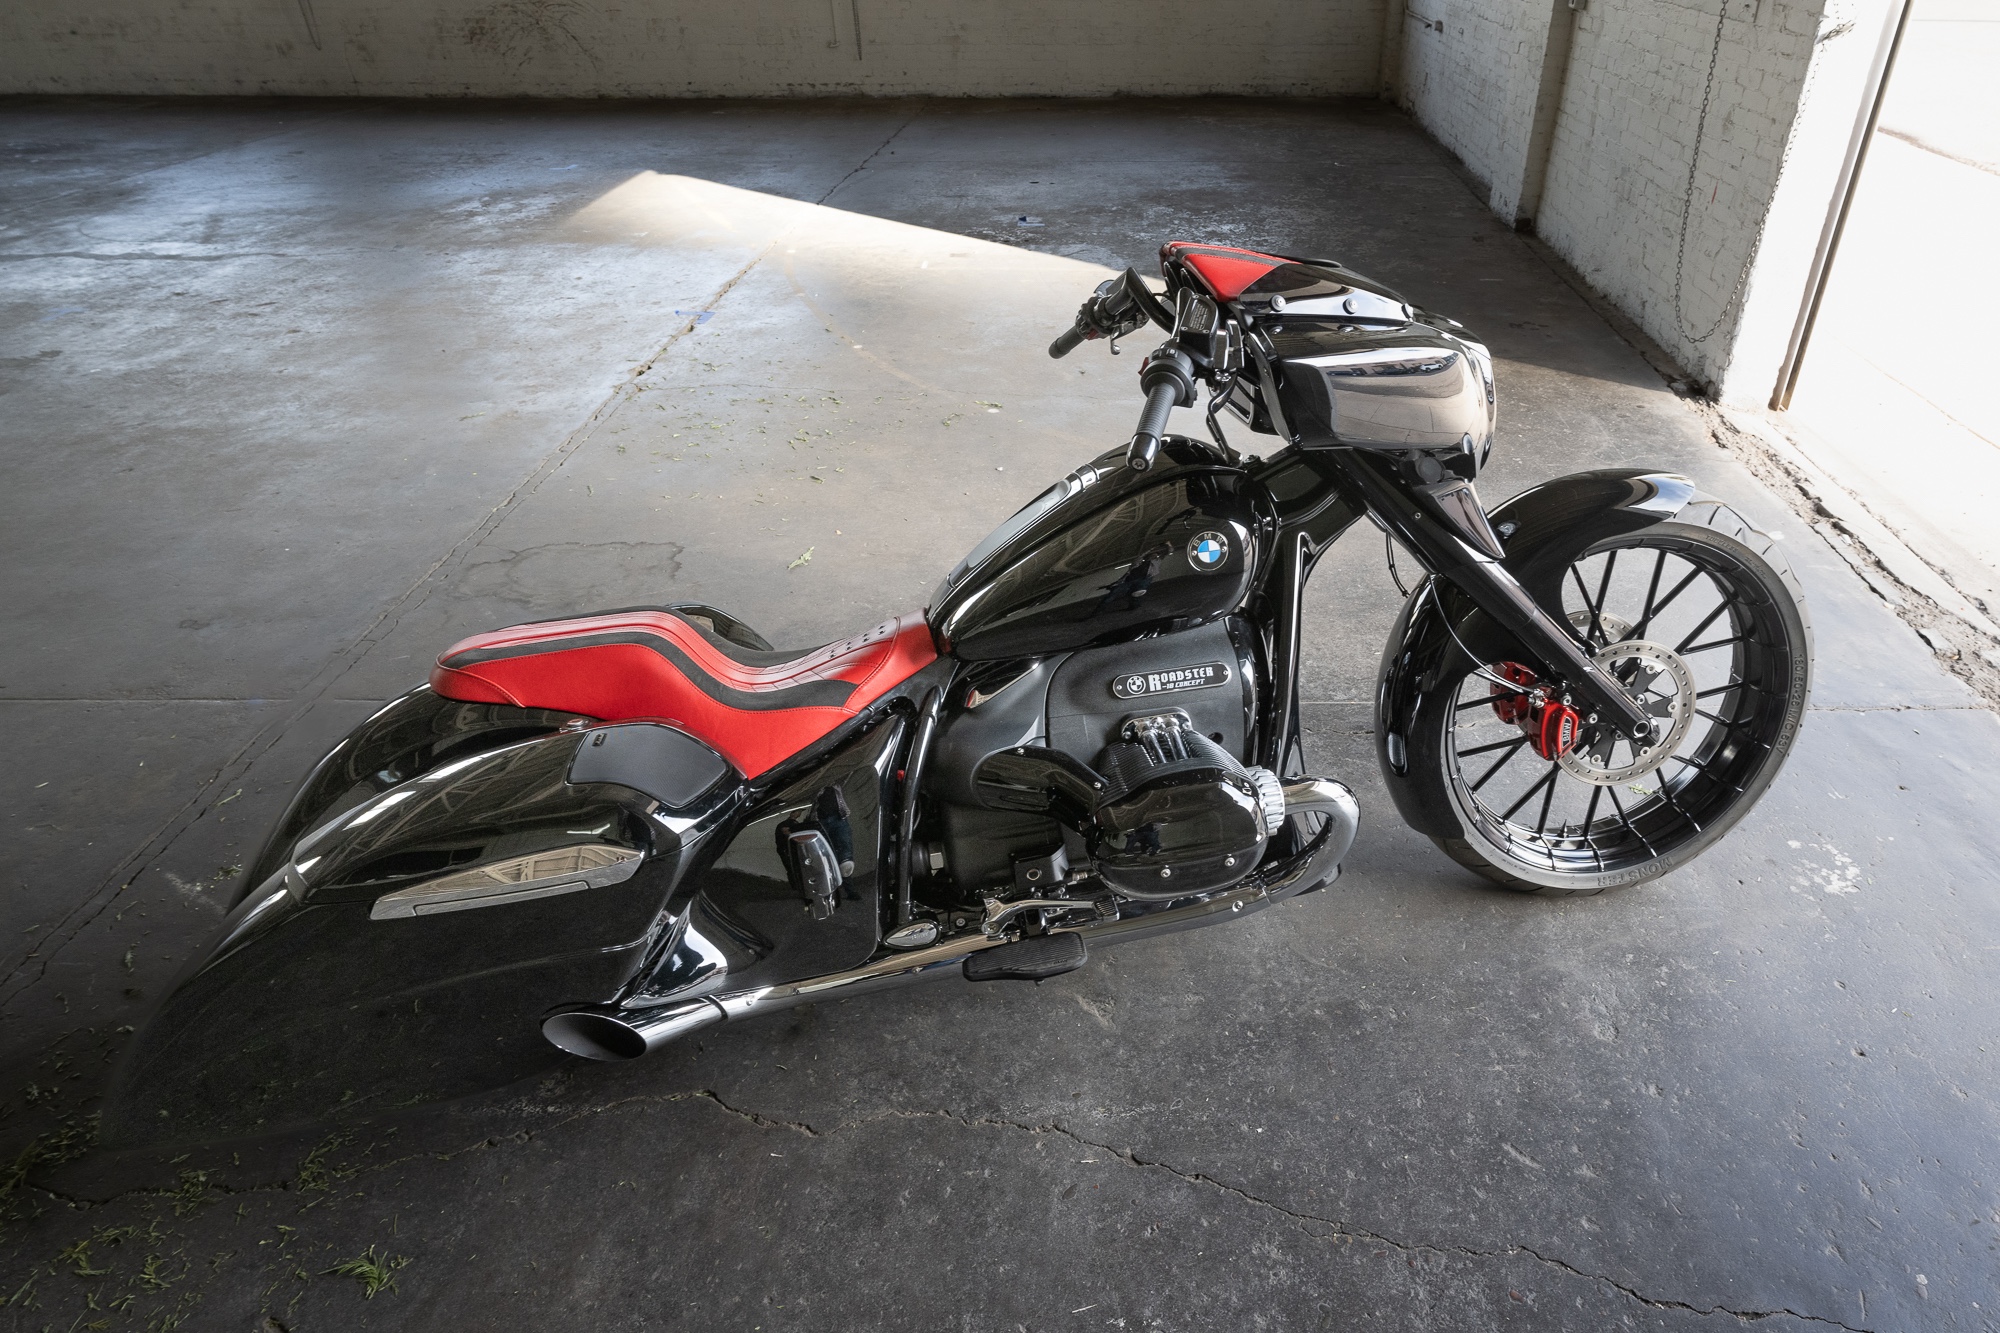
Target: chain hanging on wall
x=1694, y=163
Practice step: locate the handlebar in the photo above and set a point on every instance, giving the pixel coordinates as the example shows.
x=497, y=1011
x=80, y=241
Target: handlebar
x=1145, y=446
x=1116, y=308
x=1168, y=379
x=1119, y=305
x=1069, y=341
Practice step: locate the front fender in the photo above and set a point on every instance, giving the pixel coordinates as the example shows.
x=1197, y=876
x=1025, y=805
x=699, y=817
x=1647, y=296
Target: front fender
x=1544, y=530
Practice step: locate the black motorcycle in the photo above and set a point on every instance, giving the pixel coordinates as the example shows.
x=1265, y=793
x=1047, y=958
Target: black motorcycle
x=605, y=833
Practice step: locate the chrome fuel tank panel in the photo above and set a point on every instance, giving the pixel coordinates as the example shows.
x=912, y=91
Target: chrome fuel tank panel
x=1416, y=387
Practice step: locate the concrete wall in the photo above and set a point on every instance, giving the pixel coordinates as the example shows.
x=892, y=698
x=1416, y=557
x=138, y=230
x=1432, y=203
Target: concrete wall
x=681, y=48
x=1589, y=125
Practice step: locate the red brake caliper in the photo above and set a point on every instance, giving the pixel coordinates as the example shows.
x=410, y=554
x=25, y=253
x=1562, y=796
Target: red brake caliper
x=1549, y=724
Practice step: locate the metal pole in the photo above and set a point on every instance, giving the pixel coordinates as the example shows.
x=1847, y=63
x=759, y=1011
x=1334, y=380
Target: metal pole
x=1829, y=242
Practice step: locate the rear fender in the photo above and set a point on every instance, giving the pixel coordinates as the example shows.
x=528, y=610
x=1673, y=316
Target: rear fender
x=1544, y=530
x=409, y=737
x=405, y=949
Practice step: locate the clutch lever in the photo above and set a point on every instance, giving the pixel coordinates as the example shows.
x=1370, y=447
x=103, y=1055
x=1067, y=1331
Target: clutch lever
x=1119, y=306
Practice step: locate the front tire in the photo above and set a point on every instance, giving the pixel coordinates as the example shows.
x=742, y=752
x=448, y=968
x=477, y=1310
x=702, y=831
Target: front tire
x=1704, y=620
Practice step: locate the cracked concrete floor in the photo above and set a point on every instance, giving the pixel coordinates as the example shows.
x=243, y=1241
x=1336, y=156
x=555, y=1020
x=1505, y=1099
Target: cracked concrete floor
x=300, y=392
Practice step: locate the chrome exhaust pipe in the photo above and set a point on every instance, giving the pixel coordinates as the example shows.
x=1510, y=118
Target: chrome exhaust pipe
x=614, y=1033
x=1324, y=796
x=627, y=1034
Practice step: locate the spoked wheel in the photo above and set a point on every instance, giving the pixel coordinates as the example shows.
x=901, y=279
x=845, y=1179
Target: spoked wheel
x=1703, y=622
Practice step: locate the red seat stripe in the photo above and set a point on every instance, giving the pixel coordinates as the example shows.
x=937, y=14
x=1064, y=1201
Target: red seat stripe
x=543, y=666
x=820, y=663
x=1226, y=269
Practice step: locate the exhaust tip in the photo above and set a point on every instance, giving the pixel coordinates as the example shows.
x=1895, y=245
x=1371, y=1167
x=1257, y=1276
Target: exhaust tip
x=594, y=1036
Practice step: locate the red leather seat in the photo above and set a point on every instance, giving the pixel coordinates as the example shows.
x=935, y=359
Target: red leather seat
x=756, y=708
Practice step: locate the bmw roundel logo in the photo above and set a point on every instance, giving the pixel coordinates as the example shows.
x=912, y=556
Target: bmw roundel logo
x=1208, y=551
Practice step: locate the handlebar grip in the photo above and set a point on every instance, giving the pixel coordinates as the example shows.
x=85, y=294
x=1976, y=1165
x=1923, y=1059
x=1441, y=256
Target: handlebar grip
x=1068, y=342
x=1139, y=455
x=1145, y=446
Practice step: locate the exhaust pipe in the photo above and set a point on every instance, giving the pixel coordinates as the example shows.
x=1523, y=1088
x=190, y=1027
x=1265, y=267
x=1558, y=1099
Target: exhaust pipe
x=615, y=1033
x=1324, y=796
x=626, y=1034
x=597, y=1034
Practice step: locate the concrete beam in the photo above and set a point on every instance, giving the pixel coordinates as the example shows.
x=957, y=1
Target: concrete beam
x=681, y=48
x=1517, y=187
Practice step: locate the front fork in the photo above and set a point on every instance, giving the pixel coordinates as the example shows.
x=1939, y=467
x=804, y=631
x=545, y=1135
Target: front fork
x=1447, y=532
x=1446, y=529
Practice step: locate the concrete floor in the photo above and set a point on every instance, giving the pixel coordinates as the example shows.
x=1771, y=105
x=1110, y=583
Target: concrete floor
x=296, y=394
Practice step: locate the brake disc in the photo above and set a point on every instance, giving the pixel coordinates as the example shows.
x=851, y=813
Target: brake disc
x=1661, y=683
x=1609, y=629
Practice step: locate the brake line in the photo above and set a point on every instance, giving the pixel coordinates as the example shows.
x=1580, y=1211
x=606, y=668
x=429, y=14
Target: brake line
x=1444, y=618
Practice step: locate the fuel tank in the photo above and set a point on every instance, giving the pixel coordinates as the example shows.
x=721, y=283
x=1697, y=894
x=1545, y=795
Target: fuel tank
x=1106, y=555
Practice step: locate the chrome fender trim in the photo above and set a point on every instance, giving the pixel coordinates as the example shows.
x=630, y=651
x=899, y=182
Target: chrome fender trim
x=587, y=865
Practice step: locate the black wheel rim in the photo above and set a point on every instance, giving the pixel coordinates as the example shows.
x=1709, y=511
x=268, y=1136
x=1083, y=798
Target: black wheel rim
x=1705, y=605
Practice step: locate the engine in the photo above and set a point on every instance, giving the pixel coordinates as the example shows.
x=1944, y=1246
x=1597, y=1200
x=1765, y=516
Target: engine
x=1179, y=814
x=1119, y=764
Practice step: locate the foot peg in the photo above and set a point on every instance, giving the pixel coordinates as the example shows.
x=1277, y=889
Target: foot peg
x=1036, y=958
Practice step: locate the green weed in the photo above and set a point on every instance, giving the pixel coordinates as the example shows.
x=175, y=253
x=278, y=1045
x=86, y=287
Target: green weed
x=71, y=1140
x=316, y=1174
x=374, y=1273
x=78, y=1257
x=191, y=1194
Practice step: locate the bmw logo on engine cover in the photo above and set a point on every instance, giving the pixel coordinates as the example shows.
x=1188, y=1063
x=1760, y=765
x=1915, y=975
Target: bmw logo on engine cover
x=1171, y=680
x=1208, y=551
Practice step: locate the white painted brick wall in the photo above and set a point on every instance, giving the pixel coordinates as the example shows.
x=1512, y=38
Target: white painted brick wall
x=1618, y=176
x=1471, y=72
x=679, y=48
x=1780, y=102
x=1624, y=137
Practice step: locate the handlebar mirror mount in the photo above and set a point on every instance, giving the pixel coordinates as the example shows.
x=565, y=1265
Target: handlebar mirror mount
x=1142, y=296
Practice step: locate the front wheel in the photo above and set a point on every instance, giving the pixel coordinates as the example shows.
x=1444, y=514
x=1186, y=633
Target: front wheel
x=1703, y=621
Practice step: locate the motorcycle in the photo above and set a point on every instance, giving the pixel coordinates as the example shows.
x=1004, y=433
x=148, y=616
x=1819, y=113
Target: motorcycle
x=600, y=835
